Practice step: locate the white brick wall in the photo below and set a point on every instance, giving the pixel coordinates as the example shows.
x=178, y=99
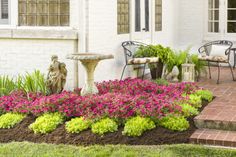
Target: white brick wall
x=183, y=22
x=20, y=55
x=190, y=28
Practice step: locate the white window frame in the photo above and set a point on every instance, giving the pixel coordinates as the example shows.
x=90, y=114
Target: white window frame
x=13, y=18
x=226, y=21
x=223, y=19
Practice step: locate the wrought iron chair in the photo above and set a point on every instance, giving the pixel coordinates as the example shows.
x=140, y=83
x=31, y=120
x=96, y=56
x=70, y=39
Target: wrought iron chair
x=130, y=47
x=207, y=54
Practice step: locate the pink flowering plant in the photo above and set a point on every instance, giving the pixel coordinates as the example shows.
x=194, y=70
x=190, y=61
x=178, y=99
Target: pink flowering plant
x=116, y=99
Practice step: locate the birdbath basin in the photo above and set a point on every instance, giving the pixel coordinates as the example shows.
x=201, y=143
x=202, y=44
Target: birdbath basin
x=89, y=61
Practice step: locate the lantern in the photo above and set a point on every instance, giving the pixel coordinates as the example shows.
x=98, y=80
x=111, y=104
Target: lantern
x=188, y=72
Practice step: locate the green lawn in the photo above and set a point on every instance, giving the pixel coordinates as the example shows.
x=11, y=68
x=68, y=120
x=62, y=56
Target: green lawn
x=26, y=149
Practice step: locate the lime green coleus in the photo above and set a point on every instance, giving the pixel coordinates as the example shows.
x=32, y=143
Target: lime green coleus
x=47, y=123
x=175, y=123
x=76, y=125
x=136, y=126
x=9, y=120
x=104, y=126
x=205, y=95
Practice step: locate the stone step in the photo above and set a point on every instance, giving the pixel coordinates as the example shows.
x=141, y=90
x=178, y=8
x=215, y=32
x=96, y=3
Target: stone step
x=216, y=118
x=214, y=137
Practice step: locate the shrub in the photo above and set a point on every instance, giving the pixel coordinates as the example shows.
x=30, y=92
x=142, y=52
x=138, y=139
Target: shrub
x=136, y=126
x=9, y=120
x=46, y=123
x=195, y=100
x=104, y=126
x=77, y=125
x=205, y=95
x=174, y=123
x=161, y=82
x=188, y=110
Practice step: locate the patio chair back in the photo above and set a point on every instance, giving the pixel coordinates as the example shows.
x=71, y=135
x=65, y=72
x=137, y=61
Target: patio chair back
x=130, y=47
x=207, y=47
x=219, y=58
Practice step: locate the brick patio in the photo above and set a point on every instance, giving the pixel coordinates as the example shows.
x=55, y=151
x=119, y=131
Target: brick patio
x=217, y=122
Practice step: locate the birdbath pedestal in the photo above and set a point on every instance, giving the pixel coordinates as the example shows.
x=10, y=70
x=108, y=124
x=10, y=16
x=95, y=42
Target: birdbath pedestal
x=89, y=61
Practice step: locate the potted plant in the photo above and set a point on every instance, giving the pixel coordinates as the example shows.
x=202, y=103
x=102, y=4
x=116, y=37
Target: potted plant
x=165, y=55
x=180, y=58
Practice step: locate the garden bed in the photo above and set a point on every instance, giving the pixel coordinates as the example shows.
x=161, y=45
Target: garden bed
x=131, y=111
x=156, y=136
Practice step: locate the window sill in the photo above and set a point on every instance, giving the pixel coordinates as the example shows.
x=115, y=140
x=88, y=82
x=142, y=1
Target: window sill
x=215, y=36
x=39, y=33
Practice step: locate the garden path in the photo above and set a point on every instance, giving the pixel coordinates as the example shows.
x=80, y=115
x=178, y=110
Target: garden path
x=217, y=122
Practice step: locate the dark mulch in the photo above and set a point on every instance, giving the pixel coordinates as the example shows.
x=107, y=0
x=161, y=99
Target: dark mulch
x=59, y=136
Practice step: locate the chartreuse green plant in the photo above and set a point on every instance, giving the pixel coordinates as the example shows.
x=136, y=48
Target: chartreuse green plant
x=188, y=110
x=9, y=120
x=175, y=123
x=195, y=100
x=47, y=123
x=136, y=126
x=205, y=95
x=104, y=126
x=76, y=125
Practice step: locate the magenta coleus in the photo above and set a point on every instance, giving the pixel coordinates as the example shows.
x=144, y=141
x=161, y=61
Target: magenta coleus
x=116, y=99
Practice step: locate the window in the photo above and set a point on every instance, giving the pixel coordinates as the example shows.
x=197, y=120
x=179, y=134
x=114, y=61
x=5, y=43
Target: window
x=4, y=11
x=213, y=16
x=137, y=16
x=142, y=15
x=44, y=12
x=158, y=15
x=147, y=15
x=231, y=20
x=123, y=16
x=222, y=16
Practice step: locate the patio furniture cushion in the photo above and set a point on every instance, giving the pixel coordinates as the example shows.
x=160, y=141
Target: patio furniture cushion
x=214, y=58
x=143, y=60
x=218, y=50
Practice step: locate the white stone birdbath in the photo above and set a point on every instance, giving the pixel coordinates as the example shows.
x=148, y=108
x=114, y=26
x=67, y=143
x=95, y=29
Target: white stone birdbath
x=89, y=61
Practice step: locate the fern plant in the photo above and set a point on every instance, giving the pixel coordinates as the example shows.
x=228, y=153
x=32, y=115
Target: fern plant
x=181, y=57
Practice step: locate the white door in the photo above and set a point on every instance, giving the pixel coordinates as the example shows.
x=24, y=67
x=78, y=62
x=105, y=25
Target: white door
x=141, y=20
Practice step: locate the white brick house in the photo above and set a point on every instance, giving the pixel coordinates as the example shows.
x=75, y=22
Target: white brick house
x=32, y=30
